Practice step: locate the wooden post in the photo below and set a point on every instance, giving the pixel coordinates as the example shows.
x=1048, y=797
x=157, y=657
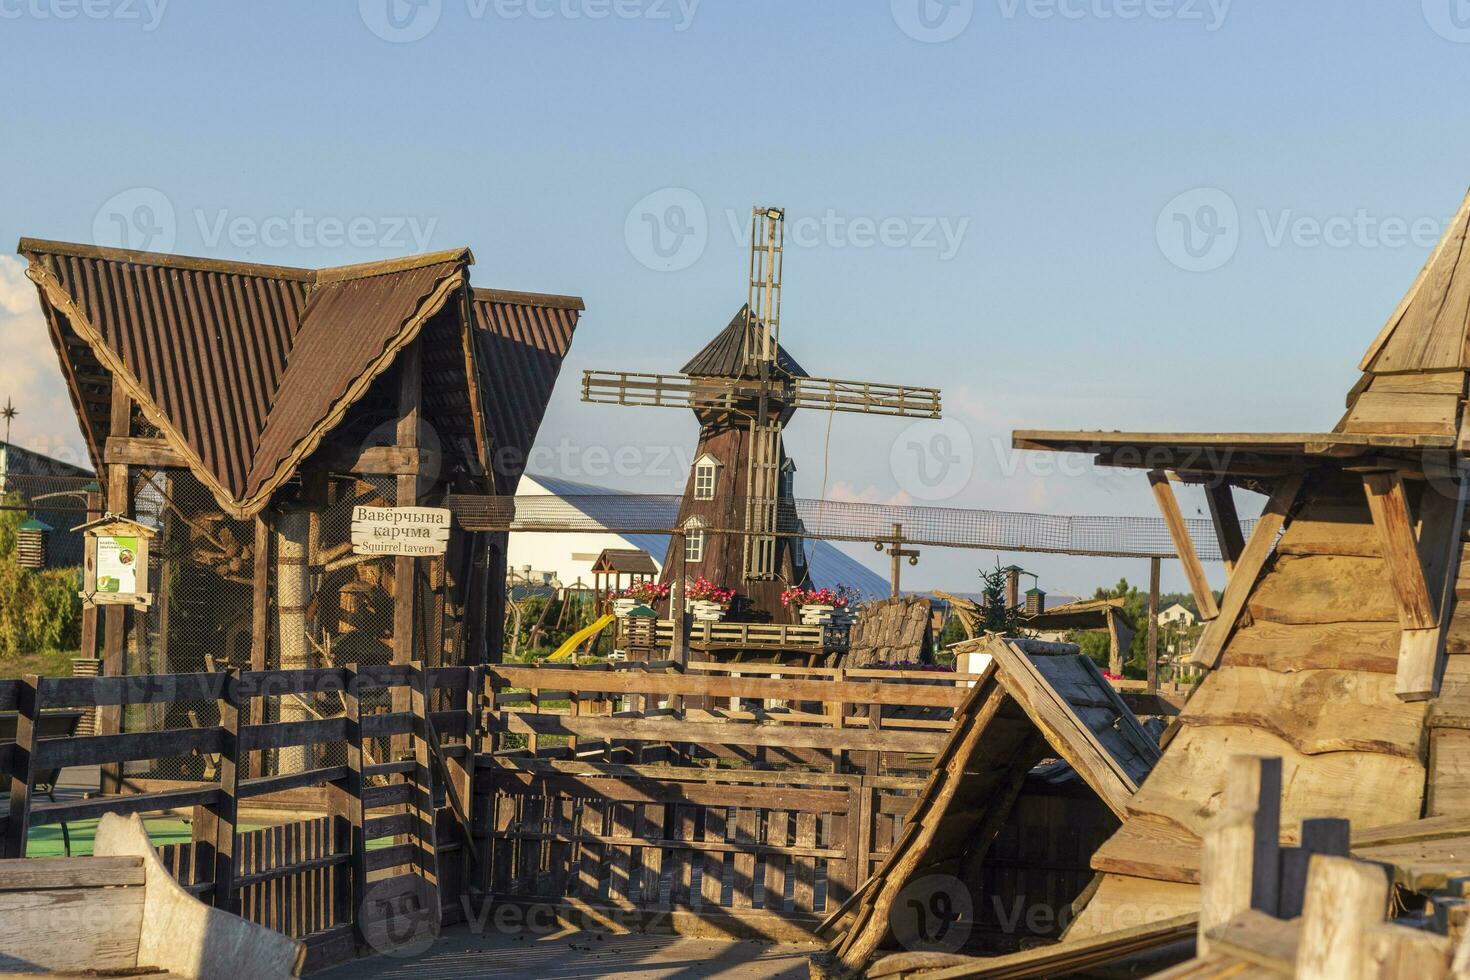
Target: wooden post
x=1345, y=900
x=1239, y=861
x=292, y=596
x=89, y=612
x=679, y=643
x=260, y=594
x=117, y=619
x=344, y=806
x=1321, y=835
x=426, y=860
x=1183, y=544
x=1153, y=625
x=895, y=573
x=1227, y=523
x=215, y=825
x=22, y=767
x=410, y=397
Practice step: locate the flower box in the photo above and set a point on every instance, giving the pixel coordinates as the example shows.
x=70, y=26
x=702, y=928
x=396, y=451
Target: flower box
x=707, y=610
x=623, y=606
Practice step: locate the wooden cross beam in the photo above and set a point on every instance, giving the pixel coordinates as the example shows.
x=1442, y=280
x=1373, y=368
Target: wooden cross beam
x=1227, y=523
x=1422, y=567
x=1204, y=598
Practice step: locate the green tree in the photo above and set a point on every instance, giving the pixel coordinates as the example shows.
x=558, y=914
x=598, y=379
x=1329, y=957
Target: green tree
x=39, y=610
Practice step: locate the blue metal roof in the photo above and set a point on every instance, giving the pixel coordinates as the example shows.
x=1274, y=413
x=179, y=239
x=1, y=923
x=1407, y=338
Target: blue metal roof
x=829, y=566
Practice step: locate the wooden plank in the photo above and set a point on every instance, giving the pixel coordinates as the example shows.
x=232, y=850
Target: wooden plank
x=1345, y=899
x=756, y=688
x=102, y=932
x=1194, y=572
x=222, y=823
x=1242, y=582
x=20, y=875
x=1227, y=523
x=1388, y=503
x=675, y=730
x=23, y=767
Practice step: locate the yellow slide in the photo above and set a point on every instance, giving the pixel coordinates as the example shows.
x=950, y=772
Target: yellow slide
x=581, y=636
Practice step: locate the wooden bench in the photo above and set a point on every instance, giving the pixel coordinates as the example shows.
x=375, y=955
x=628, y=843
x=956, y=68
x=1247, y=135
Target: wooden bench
x=121, y=910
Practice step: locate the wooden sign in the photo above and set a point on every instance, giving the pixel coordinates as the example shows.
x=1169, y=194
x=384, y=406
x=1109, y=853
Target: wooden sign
x=116, y=568
x=412, y=531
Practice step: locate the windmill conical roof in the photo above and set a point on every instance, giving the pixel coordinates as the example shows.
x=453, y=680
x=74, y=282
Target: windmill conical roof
x=724, y=357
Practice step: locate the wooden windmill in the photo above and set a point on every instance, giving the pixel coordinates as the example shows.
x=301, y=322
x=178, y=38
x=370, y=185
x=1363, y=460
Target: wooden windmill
x=743, y=387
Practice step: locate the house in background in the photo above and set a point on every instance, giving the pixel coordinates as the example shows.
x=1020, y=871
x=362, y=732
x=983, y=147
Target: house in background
x=566, y=559
x=1177, y=615
x=57, y=489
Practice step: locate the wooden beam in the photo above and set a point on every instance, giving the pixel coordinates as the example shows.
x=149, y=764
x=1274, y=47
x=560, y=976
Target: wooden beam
x=405, y=585
x=1389, y=505
x=1227, y=523
x=1152, y=666
x=116, y=619
x=1183, y=545
x=1440, y=525
x=1252, y=559
x=135, y=451
x=1345, y=900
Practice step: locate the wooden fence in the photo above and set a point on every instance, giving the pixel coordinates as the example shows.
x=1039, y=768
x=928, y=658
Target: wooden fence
x=716, y=801
x=309, y=879
x=740, y=798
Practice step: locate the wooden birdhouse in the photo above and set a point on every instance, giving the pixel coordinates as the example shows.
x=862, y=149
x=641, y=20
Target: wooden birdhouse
x=31, y=538
x=116, y=567
x=1035, y=602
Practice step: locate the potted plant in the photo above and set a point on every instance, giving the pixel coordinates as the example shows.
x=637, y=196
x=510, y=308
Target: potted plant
x=820, y=607
x=708, y=601
x=642, y=594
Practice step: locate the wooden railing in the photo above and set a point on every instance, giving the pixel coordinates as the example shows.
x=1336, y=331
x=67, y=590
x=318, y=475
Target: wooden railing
x=746, y=805
x=745, y=798
x=309, y=879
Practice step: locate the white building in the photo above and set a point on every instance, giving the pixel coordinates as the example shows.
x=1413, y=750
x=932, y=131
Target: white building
x=565, y=559
x=1177, y=614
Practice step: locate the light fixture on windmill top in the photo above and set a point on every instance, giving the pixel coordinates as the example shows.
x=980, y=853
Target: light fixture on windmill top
x=743, y=387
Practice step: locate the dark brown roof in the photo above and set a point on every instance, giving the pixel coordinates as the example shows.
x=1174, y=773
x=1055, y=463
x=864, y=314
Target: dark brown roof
x=626, y=561
x=244, y=368
x=522, y=339
x=724, y=357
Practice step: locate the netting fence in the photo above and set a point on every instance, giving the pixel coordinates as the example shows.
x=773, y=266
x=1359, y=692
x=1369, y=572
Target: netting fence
x=941, y=527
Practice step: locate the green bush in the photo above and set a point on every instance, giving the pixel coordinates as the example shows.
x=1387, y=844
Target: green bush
x=39, y=610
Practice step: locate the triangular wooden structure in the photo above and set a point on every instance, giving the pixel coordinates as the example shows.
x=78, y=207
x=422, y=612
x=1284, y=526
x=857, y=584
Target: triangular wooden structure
x=1026, y=708
x=1339, y=644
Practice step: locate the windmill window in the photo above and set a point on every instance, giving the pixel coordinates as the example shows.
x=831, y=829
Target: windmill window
x=705, y=474
x=693, y=542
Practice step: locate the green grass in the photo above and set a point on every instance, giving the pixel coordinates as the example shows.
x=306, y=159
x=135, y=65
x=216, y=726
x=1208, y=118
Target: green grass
x=46, y=841
x=47, y=663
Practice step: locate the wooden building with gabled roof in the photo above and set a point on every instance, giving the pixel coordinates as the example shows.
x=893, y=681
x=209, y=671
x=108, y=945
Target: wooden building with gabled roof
x=245, y=410
x=1340, y=643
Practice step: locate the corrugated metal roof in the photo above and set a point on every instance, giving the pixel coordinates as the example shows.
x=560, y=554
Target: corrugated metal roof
x=724, y=357
x=522, y=340
x=245, y=367
x=350, y=332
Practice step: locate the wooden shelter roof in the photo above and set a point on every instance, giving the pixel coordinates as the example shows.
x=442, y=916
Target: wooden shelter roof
x=625, y=561
x=1088, y=614
x=1026, y=707
x=244, y=368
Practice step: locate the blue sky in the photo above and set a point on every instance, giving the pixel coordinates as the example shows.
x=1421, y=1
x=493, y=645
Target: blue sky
x=1000, y=214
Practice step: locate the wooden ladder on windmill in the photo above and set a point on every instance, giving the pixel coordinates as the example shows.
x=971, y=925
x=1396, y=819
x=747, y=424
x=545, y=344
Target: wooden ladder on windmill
x=762, y=340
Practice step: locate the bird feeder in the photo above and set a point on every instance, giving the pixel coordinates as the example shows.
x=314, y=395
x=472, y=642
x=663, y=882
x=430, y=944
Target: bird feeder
x=31, y=538
x=116, y=569
x=1035, y=602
